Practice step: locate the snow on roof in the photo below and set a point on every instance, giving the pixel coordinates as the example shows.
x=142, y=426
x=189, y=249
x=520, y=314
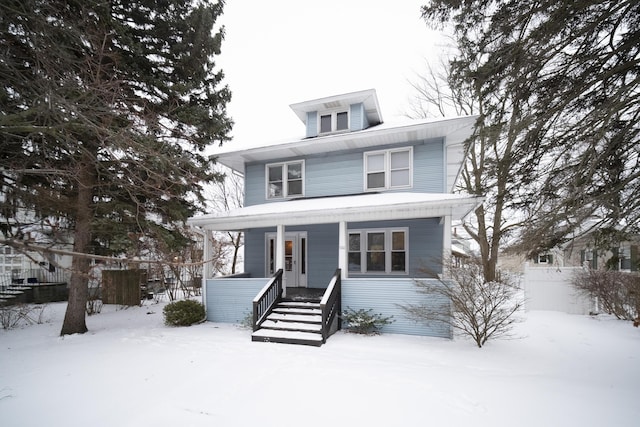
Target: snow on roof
x=454, y=131
x=324, y=210
x=367, y=97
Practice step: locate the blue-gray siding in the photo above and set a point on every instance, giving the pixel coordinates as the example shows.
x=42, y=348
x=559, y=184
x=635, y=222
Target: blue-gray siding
x=386, y=297
x=322, y=252
x=425, y=253
x=312, y=124
x=342, y=173
x=425, y=244
x=230, y=300
x=358, y=117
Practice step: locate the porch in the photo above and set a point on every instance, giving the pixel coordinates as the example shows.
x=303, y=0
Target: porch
x=230, y=300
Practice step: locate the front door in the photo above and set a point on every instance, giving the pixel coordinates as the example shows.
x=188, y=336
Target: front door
x=295, y=258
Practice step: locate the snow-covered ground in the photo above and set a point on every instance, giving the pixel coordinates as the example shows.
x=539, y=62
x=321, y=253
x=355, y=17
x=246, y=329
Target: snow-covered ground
x=131, y=370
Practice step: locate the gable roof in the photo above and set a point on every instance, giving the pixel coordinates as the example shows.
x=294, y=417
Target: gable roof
x=454, y=131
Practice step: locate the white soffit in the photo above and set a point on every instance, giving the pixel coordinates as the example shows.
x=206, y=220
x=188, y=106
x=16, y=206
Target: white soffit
x=454, y=130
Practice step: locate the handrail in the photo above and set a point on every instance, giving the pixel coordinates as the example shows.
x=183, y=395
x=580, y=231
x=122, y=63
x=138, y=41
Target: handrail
x=266, y=299
x=331, y=306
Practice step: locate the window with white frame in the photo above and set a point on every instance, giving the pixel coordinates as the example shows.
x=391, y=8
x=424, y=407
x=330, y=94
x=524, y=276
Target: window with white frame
x=285, y=180
x=334, y=121
x=545, y=258
x=388, y=169
x=378, y=251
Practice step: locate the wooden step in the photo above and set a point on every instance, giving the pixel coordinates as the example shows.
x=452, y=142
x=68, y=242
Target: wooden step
x=297, y=310
x=302, y=318
x=287, y=337
x=292, y=326
x=299, y=304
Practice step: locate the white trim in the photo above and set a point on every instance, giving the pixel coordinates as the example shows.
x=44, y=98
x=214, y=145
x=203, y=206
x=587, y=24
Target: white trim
x=301, y=263
x=388, y=250
x=343, y=253
x=285, y=179
x=387, y=168
x=334, y=120
x=329, y=210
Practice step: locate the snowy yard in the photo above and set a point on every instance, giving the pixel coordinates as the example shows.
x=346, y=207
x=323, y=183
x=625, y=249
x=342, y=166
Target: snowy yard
x=131, y=370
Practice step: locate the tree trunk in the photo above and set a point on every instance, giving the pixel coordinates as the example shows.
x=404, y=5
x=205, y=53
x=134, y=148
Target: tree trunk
x=236, y=249
x=74, y=318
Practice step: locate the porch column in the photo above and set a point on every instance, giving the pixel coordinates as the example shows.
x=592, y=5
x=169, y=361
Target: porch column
x=280, y=257
x=207, y=270
x=446, y=244
x=342, y=250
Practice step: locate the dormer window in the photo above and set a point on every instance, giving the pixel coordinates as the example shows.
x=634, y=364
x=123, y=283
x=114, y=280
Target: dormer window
x=334, y=122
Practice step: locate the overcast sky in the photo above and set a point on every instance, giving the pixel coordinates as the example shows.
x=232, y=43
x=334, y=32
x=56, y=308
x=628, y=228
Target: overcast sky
x=280, y=52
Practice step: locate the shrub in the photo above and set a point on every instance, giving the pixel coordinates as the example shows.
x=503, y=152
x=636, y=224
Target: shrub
x=474, y=307
x=364, y=322
x=183, y=313
x=618, y=292
x=22, y=314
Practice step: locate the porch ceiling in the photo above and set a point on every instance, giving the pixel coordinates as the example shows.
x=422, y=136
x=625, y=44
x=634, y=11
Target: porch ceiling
x=326, y=210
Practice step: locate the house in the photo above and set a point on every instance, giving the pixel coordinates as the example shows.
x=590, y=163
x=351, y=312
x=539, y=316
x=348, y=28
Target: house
x=597, y=251
x=356, y=210
x=591, y=247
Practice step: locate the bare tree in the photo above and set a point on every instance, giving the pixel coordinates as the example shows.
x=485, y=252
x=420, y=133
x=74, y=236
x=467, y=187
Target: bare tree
x=493, y=163
x=227, y=195
x=475, y=307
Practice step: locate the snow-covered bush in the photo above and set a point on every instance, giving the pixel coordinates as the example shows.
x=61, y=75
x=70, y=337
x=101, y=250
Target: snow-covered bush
x=13, y=316
x=618, y=292
x=478, y=309
x=183, y=313
x=364, y=321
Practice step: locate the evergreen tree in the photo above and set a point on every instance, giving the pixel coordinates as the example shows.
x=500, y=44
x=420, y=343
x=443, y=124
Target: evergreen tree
x=107, y=114
x=560, y=81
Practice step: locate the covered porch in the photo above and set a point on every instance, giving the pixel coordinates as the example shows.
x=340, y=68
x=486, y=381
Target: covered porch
x=229, y=299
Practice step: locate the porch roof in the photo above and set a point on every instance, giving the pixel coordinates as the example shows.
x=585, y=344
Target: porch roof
x=326, y=210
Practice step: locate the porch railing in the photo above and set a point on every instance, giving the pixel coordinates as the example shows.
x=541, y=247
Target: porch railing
x=266, y=299
x=331, y=305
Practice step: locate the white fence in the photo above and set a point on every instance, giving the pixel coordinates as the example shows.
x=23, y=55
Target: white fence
x=549, y=288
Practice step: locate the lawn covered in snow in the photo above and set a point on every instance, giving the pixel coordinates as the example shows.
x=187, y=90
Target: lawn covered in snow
x=131, y=370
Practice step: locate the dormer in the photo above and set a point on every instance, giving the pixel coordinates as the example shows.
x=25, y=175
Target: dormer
x=339, y=113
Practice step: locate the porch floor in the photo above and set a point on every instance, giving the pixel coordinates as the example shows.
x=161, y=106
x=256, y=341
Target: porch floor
x=304, y=294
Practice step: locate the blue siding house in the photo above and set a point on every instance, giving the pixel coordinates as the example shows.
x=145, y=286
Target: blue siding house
x=351, y=214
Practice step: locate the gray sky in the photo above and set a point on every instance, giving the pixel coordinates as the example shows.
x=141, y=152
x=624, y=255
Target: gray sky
x=280, y=52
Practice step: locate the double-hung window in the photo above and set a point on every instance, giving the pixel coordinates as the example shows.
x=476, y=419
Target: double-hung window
x=285, y=180
x=388, y=169
x=334, y=121
x=378, y=251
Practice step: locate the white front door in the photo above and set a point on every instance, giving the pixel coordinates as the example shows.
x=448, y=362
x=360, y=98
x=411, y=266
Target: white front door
x=295, y=258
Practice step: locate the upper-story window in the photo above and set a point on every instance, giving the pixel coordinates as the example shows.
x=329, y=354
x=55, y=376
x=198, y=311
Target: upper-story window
x=285, y=180
x=333, y=122
x=388, y=169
